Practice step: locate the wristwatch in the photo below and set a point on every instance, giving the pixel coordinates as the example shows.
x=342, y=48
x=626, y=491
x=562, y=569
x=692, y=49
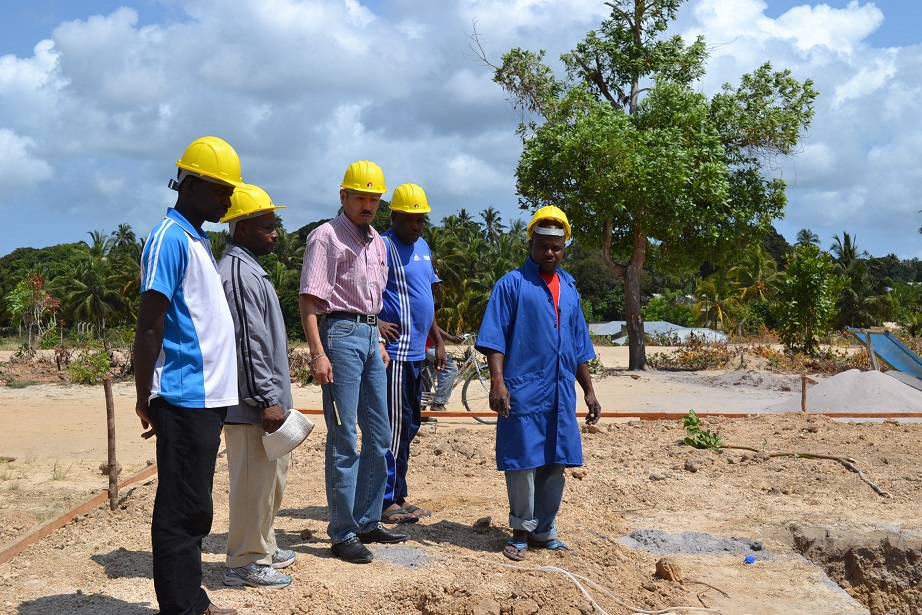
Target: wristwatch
x=381, y=340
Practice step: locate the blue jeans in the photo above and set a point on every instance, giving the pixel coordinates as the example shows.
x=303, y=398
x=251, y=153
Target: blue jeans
x=354, y=482
x=534, y=499
x=444, y=380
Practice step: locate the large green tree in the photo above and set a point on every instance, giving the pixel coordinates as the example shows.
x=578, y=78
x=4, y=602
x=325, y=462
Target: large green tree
x=637, y=157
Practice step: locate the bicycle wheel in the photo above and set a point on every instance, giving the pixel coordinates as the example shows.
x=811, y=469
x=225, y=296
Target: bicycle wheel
x=476, y=394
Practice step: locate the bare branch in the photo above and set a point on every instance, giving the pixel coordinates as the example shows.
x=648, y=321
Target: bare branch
x=475, y=46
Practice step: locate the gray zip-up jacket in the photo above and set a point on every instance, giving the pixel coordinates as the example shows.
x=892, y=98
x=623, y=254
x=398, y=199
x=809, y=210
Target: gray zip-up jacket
x=262, y=342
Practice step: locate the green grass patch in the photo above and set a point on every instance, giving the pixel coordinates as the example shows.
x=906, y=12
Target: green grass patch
x=21, y=384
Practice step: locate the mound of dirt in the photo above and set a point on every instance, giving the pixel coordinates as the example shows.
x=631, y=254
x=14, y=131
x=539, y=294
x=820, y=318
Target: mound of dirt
x=639, y=478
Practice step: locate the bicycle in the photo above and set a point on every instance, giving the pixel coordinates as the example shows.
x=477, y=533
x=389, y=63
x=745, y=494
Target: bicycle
x=473, y=373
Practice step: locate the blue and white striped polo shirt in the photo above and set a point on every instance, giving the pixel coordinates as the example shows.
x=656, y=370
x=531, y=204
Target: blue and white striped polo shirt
x=197, y=366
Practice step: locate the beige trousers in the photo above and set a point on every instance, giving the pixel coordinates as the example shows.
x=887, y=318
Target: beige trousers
x=256, y=489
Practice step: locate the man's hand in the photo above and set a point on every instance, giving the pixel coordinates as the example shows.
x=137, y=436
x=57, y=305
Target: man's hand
x=388, y=330
x=386, y=358
x=272, y=418
x=584, y=378
x=500, y=401
x=143, y=411
x=594, y=408
x=322, y=370
x=440, y=357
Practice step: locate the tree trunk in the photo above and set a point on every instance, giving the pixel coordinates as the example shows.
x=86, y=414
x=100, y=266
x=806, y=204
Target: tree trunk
x=630, y=274
x=637, y=354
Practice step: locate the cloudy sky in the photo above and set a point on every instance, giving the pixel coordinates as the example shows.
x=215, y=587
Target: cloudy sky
x=99, y=98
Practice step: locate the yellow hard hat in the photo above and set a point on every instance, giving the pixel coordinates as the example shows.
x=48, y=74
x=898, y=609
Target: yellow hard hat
x=410, y=199
x=549, y=212
x=364, y=176
x=249, y=200
x=214, y=158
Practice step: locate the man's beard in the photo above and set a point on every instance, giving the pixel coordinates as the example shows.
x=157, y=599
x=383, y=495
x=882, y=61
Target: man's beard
x=365, y=232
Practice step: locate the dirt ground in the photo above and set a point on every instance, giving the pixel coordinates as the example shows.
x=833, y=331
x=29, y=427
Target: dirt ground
x=822, y=541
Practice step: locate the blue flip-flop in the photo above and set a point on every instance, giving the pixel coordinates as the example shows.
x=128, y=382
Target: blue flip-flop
x=552, y=544
x=517, y=553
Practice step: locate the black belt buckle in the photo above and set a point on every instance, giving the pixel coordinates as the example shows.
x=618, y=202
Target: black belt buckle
x=371, y=319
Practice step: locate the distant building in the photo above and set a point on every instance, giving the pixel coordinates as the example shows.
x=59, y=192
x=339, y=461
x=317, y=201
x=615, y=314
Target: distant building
x=617, y=331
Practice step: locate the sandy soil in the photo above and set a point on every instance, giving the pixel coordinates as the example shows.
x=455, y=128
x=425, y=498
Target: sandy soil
x=812, y=526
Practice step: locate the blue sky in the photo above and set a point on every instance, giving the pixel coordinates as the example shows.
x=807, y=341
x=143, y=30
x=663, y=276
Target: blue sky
x=98, y=98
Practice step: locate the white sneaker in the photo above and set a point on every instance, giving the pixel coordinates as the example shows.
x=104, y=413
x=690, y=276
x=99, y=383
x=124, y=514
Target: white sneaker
x=282, y=558
x=255, y=575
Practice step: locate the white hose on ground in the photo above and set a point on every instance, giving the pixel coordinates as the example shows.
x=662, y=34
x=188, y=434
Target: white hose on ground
x=576, y=580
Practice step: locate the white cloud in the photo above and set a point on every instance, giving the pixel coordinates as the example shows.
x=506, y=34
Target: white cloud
x=840, y=30
x=29, y=88
x=868, y=80
x=19, y=167
x=867, y=108
x=92, y=123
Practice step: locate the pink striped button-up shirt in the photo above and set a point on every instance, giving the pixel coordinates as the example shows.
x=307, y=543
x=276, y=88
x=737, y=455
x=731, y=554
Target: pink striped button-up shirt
x=342, y=271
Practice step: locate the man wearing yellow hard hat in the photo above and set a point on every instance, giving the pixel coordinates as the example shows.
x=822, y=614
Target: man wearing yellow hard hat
x=537, y=345
x=407, y=319
x=342, y=280
x=257, y=479
x=186, y=370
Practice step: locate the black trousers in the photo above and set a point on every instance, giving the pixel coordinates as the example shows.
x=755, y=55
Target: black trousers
x=187, y=448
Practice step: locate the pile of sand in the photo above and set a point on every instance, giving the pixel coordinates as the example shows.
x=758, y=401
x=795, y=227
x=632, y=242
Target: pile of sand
x=857, y=391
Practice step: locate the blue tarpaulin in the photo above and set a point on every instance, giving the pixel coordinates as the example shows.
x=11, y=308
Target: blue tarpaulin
x=889, y=348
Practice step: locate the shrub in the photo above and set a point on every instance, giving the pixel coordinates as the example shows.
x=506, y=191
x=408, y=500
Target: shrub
x=89, y=366
x=695, y=355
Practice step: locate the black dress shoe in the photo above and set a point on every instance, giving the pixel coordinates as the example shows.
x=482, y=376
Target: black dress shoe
x=352, y=551
x=383, y=535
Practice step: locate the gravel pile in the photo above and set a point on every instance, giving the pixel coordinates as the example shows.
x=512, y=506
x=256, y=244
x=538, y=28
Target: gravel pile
x=857, y=391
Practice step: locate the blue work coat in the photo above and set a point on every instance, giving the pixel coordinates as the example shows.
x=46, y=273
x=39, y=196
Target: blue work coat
x=539, y=368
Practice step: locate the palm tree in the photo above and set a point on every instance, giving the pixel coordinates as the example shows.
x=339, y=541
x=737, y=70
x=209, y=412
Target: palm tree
x=865, y=300
x=756, y=275
x=100, y=246
x=492, y=223
x=845, y=251
x=218, y=243
x=446, y=254
x=279, y=274
x=718, y=299
x=290, y=250
x=88, y=296
x=806, y=237
x=124, y=238
x=509, y=250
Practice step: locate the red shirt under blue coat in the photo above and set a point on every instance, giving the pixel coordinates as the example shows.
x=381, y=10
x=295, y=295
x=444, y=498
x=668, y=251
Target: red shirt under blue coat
x=539, y=367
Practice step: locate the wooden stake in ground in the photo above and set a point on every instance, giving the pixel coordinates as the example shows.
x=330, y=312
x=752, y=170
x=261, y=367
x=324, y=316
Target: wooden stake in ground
x=803, y=392
x=113, y=464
